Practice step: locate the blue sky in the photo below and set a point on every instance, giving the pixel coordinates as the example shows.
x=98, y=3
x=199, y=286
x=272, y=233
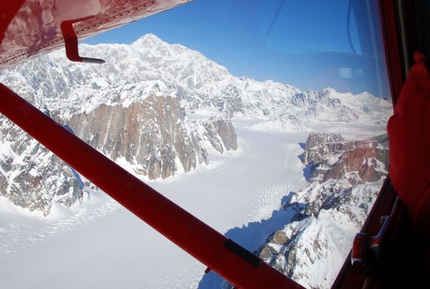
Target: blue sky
x=303, y=43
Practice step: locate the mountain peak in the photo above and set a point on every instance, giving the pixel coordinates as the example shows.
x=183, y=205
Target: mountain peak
x=145, y=40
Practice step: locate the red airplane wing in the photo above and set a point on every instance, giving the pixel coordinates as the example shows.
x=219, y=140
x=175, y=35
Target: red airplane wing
x=32, y=27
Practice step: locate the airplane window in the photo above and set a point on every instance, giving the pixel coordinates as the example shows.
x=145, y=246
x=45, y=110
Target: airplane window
x=266, y=120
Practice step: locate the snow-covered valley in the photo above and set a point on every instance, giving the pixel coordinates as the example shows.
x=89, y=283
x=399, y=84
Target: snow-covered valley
x=102, y=245
x=99, y=244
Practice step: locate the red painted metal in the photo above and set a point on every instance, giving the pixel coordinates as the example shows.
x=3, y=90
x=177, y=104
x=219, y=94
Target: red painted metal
x=32, y=27
x=393, y=55
x=353, y=276
x=71, y=43
x=185, y=230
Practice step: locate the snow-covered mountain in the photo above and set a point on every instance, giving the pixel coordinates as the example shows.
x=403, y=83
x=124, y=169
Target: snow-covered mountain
x=151, y=66
x=125, y=109
x=160, y=109
x=150, y=105
x=325, y=216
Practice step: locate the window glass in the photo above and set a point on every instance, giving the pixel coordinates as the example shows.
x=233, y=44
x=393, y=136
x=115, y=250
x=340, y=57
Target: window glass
x=264, y=119
x=320, y=126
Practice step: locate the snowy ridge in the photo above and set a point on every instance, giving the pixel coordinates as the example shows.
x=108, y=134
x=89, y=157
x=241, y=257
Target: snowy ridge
x=325, y=216
x=150, y=66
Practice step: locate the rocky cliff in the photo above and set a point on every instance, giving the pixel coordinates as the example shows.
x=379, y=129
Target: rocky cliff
x=330, y=156
x=345, y=178
x=153, y=137
x=31, y=176
x=150, y=135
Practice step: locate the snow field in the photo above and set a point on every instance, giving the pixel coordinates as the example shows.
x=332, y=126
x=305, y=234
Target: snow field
x=101, y=245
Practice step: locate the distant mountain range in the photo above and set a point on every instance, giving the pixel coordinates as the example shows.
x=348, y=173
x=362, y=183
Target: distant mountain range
x=157, y=109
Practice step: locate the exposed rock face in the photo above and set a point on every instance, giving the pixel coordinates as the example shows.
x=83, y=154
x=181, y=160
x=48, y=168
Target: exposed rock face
x=31, y=176
x=151, y=135
x=331, y=157
x=318, y=144
x=345, y=178
x=221, y=133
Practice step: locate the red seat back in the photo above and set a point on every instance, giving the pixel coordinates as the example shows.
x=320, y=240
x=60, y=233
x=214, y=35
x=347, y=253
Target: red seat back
x=409, y=138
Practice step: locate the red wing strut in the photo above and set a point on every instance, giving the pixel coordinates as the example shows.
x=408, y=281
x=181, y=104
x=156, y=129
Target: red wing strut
x=71, y=44
x=220, y=254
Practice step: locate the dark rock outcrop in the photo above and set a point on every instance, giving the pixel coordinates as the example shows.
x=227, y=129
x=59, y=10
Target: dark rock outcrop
x=153, y=135
x=332, y=157
x=345, y=177
x=31, y=176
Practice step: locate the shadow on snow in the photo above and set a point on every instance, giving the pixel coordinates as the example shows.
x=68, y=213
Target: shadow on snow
x=253, y=235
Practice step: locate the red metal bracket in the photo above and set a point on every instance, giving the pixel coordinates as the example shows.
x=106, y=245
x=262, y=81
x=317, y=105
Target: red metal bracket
x=71, y=43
